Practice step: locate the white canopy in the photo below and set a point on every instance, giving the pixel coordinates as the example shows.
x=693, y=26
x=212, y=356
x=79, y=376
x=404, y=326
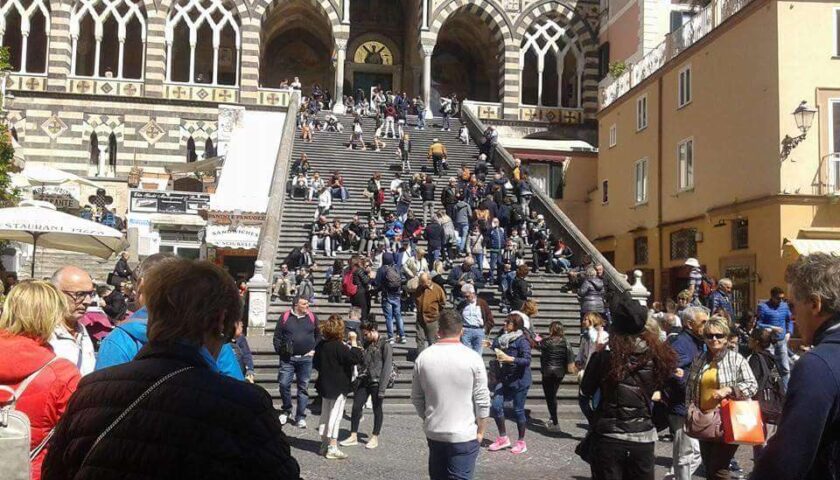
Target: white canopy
x=38, y=223
x=38, y=175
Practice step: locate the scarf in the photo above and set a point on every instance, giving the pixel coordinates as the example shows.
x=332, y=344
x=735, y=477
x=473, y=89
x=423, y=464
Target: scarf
x=506, y=339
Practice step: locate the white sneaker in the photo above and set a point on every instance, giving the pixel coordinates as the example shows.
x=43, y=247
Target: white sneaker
x=349, y=442
x=284, y=418
x=335, y=454
x=301, y=423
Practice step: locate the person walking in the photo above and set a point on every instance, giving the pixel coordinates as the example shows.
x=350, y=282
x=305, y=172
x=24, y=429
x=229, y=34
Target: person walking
x=807, y=443
x=718, y=374
x=334, y=361
x=388, y=281
x=446, y=109
x=688, y=345
x=430, y=300
x=770, y=390
x=513, y=352
x=449, y=392
x=427, y=194
x=520, y=288
x=775, y=315
x=636, y=365
x=437, y=155
x=556, y=360
x=374, y=376
x=478, y=318
x=405, y=152
x=721, y=299
x=591, y=294
x=163, y=415
x=593, y=338
x=42, y=382
x=356, y=283
x=70, y=339
x=295, y=337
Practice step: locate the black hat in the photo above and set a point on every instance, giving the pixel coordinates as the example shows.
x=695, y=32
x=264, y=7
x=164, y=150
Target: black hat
x=628, y=315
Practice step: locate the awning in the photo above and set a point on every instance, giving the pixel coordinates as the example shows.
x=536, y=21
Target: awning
x=547, y=145
x=207, y=165
x=243, y=237
x=169, y=219
x=807, y=247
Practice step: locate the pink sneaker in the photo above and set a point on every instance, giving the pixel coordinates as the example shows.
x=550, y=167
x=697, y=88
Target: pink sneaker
x=519, y=447
x=499, y=444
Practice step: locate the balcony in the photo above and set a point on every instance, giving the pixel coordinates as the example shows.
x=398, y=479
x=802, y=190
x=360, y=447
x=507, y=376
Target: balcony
x=706, y=20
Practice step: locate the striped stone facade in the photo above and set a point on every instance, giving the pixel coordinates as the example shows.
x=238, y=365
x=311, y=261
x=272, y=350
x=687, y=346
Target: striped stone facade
x=54, y=114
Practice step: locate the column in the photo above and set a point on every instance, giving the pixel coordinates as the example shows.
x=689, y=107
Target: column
x=121, y=59
x=345, y=16
x=427, y=76
x=425, y=7
x=340, y=57
x=258, y=288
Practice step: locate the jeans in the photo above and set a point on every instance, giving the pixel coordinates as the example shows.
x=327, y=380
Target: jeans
x=503, y=393
x=463, y=230
x=428, y=210
x=452, y=461
x=780, y=353
x=560, y=264
x=473, y=338
x=436, y=165
x=495, y=261
x=479, y=261
x=621, y=460
x=432, y=256
x=360, y=397
x=325, y=241
x=445, y=122
x=391, y=310
x=685, y=450
x=389, y=124
x=299, y=367
x=402, y=211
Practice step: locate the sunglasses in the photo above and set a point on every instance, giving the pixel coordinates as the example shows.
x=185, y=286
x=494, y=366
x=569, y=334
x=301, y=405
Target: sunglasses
x=715, y=336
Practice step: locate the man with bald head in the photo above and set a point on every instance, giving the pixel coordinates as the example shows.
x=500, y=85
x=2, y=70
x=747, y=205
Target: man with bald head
x=70, y=340
x=430, y=300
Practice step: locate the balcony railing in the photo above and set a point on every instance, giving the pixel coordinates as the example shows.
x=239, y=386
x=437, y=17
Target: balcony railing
x=829, y=175
x=675, y=43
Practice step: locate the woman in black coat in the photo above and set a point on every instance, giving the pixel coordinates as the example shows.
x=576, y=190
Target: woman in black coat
x=520, y=289
x=361, y=279
x=334, y=361
x=169, y=413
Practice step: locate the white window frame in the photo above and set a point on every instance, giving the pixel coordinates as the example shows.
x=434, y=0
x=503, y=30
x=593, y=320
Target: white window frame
x=613, y=140
x=83, y=8
x=25, y=26
x=230, y=16
x=833, y=159
x=834, y=20
x=558, y=40
x=684, y=92
x=641, y=113
x=640, y=178
x=605, y=191
x=685, y=168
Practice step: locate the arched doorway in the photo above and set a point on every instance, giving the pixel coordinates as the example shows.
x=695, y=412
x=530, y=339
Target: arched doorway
x=467, y=58
x=296, y=41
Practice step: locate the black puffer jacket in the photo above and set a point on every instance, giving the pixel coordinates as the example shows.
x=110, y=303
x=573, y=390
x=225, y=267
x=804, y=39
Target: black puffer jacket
x=556, y=353
x=625, y=406
x=199, y=424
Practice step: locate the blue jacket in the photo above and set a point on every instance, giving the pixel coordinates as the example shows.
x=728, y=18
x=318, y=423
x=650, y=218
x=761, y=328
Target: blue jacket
x=775, y=317
x=123, y=343
x=807, y=443
x=497, y=239
x=687, y=347
x=516, y=375
x=718, y=300
x=379, y=280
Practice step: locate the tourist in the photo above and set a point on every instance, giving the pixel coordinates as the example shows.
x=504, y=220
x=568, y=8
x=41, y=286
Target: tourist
x=116, y=422
x=390, y=117
x=306, y=131
x=687, y=345
x=427, y=194
x=496, y=241
x=806, y=443
x=295, y=337
x=122, y=272
x=353, y=233
x=474, y=246
x=371, y=237
x=337, y=187
x=333, y=281
x=405, y=152
x=115, y=305
x=464, y=274
x=718, y=374
x=420, y=107
x=437, y=155
x=593, y=338
x=321, y=236
x=477, y=316
x=296, y=85
x=375, y=194
x=449, y=392
x=306, y=285
x=464, y=134
x=430, y=300
x=775, y=315
x=446, y=109
x=721, y=299
x=527, y=312
x=513, y=352
x=242, y=350
x=324, y=203
x=561, y=258
x=461, y=215
x=315, y=186
x=695, y=280
x=42, y=381
x=636, y=365
x=373, y=379
x=557, y=358
x=334, y=361
x=70, y=340
x=591, y=294
x=435, y=239
x=389, y=282
x=520, y=289
x=359, y=279
x=378, y=143
x=771, y=393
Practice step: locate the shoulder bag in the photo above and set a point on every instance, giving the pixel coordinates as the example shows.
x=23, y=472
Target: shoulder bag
x=706, y=426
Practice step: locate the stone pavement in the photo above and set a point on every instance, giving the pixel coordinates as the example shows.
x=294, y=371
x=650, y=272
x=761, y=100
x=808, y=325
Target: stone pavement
x=402, y=453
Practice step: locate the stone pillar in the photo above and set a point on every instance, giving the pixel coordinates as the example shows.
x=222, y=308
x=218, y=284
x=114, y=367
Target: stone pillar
x=638, y=290
x=340, y=57
x=427, y=78
x=257, y=300
x=345, y=16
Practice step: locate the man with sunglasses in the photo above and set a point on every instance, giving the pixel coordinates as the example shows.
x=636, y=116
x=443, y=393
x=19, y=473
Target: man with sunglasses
x=70, y=339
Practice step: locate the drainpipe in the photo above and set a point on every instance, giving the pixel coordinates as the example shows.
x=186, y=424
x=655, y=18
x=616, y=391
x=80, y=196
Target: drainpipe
x=659, y=192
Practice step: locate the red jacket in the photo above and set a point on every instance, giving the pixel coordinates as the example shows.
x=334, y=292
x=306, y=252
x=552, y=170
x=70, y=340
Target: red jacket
x=46, y=397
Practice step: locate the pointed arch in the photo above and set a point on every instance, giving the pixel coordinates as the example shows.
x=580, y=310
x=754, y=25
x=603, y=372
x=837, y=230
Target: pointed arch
x=94, y=149
x=209, y=148
x=545, y=51
x=191, y=155
x=112, y=150
x=25, y=30
x=108, y=38
x=203, y=42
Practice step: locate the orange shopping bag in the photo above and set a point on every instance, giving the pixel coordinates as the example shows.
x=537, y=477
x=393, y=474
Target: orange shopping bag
x=742, y=422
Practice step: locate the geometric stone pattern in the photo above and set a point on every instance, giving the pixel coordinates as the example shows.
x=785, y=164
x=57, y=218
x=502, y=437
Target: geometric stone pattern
x=54, y=126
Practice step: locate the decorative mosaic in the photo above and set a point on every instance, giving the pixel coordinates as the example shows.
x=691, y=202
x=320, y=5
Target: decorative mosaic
x=551, y=115
x=202, y=93
x=199, y=130
x=274, y=99
x=25, y=82
x=54, y=126
x=103, y=125
x=152, y=132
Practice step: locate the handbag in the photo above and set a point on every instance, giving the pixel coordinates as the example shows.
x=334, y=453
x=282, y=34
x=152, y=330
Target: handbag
x=742, y=423
x=584, y=448
x=706, y=426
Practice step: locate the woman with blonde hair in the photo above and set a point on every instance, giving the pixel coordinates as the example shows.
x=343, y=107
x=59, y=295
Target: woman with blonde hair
x=334, y=361
x=40, y=382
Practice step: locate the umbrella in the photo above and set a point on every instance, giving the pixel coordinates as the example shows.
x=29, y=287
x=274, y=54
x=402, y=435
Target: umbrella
x=40, y=175
x=39, y=223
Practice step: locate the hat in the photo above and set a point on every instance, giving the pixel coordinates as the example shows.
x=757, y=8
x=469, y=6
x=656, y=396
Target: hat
x=628, y=315
x=434, y=140
x=540, y=217
x=692, y=262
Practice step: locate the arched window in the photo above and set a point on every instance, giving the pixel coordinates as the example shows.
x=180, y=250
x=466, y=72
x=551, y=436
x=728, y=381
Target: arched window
x=209, y=149
x=202, y=42
x=109, y=38
x=94, y=149
x=14, y=133
x=551, y=65
x=191, y=155
x=112, y=150
x=24, y=29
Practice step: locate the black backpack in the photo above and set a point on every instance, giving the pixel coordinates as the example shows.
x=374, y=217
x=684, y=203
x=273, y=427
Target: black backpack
x=392, y=277
x=771, y=393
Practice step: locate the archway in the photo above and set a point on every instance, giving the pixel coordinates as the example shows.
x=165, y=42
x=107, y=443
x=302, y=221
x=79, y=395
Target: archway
x=296, y=41
x=551, y=63
x=467, y=58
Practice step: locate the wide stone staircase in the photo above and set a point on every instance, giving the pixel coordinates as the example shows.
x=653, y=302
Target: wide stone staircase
x=328, y=153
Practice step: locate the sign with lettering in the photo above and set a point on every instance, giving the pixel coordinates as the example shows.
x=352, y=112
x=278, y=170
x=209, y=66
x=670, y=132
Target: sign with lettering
x=143, y=201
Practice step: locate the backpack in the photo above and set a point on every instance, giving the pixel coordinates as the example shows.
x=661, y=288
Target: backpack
x=771, y=395
x=348, y=287
x=707, y=286
x=289, y=312
x=395, y=372
x=392, y=277
x=15, y=433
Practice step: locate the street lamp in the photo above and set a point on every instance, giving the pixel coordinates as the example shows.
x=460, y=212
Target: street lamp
x=804, y=117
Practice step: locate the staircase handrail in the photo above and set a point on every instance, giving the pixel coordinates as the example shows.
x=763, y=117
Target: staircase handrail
x=554, y=216
x=270, y=232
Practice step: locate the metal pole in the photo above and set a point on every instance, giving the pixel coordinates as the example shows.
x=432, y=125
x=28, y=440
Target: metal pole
x=34, y=249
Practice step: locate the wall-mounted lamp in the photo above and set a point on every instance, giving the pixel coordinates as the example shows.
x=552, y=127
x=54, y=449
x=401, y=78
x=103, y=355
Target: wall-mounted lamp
x=804, y=117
